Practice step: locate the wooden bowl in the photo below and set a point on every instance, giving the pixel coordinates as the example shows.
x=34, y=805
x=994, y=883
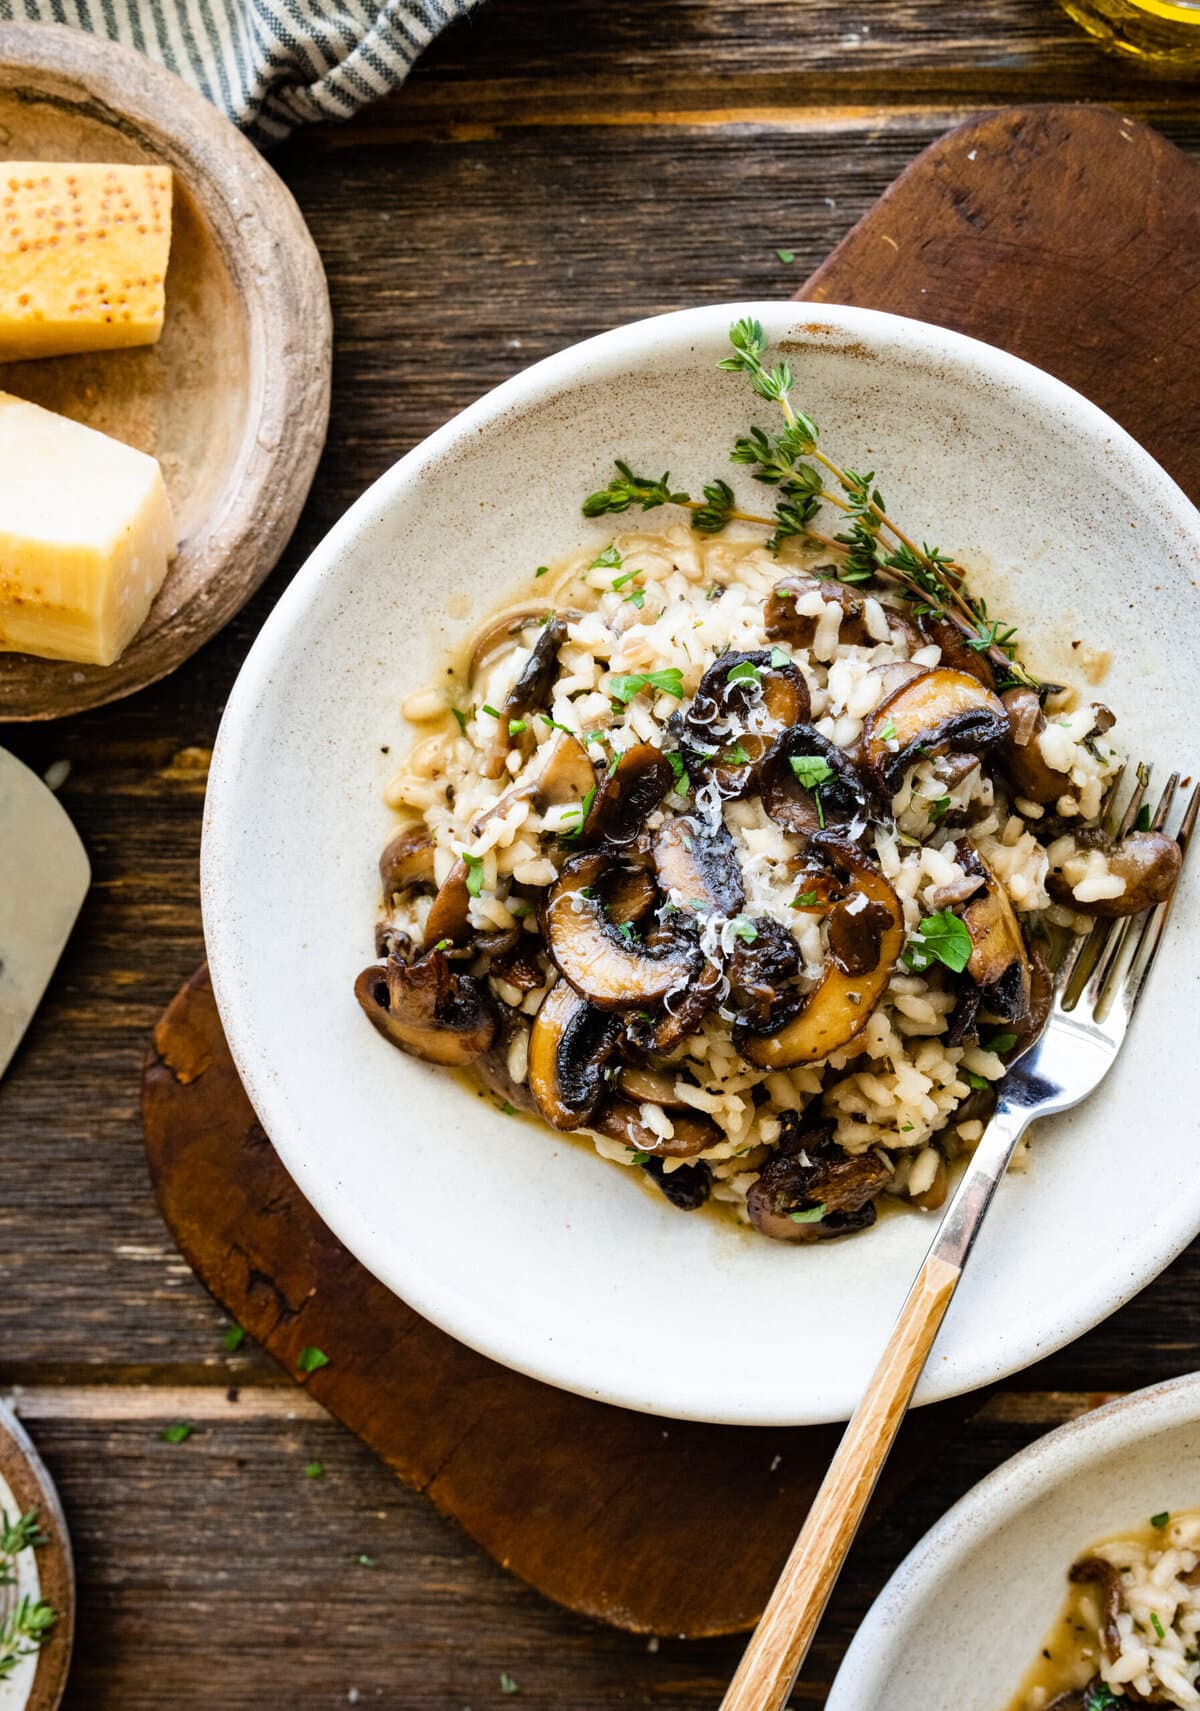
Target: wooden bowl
x=24, y=1485
x=234, y=398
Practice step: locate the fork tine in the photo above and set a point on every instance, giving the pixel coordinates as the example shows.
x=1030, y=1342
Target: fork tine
x=1132, y=928
x=1143, y=957
x=1108, y=806
x=1133, y=806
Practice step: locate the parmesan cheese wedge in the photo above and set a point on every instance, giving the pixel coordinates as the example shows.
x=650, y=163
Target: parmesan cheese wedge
x=85, y=535
x=83, y=257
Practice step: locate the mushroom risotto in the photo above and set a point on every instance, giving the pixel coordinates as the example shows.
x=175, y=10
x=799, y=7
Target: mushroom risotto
x=1129, y=1631
x=736, y=855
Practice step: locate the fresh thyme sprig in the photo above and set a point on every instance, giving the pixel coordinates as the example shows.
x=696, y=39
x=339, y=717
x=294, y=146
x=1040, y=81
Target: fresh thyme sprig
x=28, y=1623
x=871, y=543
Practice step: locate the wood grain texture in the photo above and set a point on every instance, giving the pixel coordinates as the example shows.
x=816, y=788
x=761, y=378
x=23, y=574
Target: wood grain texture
x=780, y=1643
x=234, y=397
x=601, y=1509
x=213, y=1574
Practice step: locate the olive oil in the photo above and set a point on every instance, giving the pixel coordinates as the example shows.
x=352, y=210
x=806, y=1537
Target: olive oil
x=1164, y=34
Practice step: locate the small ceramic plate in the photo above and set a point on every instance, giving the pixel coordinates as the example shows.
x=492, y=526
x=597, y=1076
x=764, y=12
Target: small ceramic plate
x=522, y=1242
x=963, y=1617
x=37, y=1682
x=233, y=399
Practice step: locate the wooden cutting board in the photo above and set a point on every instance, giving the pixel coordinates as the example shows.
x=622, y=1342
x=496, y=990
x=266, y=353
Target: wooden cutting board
x=1070, y=235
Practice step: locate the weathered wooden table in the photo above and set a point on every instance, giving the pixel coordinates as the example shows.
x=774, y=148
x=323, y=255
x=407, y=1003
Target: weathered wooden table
x=552, y=169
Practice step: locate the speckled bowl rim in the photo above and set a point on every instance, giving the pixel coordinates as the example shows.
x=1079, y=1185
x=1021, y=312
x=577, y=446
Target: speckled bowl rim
x=469, y=1316
x=983, y=1511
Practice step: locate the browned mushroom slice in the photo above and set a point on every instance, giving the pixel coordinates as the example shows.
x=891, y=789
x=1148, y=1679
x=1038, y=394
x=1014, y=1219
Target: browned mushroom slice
x=956, y=639
x=567, y=774
x=1100, y=1572
x=528, y=694
x=761, y=967
x=999, y=963
x=611, y=970
x=1148, y=862
x=505, y=632
x=734, y=687
x=811, y=1190
x=939, y=713
x=427, y=1009
x=868, y=937
x=447, y=919
x=621, y=1120
x=628, y=894
x=680, y=1016
x=687, y=1187
x=835, y=798
x=1027, y=1030
x=632, y=788
x=785, y=624
x=491, y=1068
x=697, y=866
x=1020, y=754
x=569, y=1045
x=519, y=966
x=407, y=861
x=650, y=1087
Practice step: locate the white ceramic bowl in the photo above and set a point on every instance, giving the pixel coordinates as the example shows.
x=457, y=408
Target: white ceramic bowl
x=518, y=1241
x=965, y=1614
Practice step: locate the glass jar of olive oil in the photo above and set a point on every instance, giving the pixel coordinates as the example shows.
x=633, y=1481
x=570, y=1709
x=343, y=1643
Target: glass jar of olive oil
x=1164, y=34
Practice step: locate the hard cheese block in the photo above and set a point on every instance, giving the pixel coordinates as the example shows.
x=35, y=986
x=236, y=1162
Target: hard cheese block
x=85, y=534
x=83, y=257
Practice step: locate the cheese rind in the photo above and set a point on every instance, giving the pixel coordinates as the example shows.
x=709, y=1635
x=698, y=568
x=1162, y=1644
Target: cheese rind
x=83, y=257
x=85, y=534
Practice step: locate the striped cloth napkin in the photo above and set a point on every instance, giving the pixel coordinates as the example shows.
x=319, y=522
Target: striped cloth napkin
x=269, y=64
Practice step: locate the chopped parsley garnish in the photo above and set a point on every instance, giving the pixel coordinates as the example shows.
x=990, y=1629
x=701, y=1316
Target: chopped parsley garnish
x=636, y=599
x=610, y=559
x=175, y=1434
x=1001, y=1043
x=1142, y=823
x=641, y=1158
x=978, y=1082
x=233, y=1339
x=746, y=672
x=508, y=1109
x=813, y=1215
x=938, y=807
x=1102, y=1698
x=675, y=762
x=626, y=685
x=736, y=756
x=580, y=815
x=811, y=770
x=1160, y=1521
x=462, y=718
x=779, y=659
x=745, y=929
x=906, y=1128
x=516, y=726
x=595, y=737
x=939, y=938
x=555, y=726
x=787, y=257
x=443, y=944
x=490, y=710
x=507, y=1684
x=805, y=900
x=625, y=929
x=626, y=576
x=1156, y=1624
x=364, y=1561
x=888, y=733
x=474, y=865
x=314, y=1470
x=542, y=570
x=311, y=1360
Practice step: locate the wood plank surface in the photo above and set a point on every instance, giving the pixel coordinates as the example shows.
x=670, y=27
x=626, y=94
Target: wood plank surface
x=551, y=170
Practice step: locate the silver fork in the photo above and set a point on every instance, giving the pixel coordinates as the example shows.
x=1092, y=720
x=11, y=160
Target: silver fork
x=1096, y=988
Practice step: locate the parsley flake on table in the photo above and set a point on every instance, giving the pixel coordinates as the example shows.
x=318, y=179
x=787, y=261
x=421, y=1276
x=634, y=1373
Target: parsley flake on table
x=314, y=1470
x=176, y=1434
x=311, y=1360
x=233, y=1339
x=626, y=685
x=787, y=257
x=939, y=938
x=364, y=1561
x=507, y=1684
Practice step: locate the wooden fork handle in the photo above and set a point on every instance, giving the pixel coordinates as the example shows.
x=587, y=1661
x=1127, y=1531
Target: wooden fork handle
x=784, y=1633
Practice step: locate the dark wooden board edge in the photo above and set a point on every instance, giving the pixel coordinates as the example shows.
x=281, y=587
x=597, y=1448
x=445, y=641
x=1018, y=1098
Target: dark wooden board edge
x=33, y=1488
x=1087, y=267
x=602, y=1510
